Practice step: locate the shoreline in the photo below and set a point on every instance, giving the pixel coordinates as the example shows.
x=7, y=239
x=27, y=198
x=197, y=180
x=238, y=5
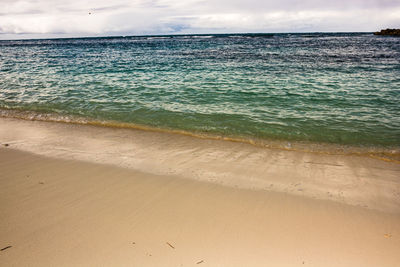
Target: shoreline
x=349, y=179
x=74, y=213
x=381, y=153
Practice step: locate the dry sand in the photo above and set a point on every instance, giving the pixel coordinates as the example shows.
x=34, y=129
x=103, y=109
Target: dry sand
x=59, y=211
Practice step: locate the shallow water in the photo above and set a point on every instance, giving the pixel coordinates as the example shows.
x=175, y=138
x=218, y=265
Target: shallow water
x=340, y=89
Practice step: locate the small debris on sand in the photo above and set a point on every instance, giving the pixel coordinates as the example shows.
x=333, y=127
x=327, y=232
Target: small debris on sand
x=41, y=182
x=199, y=262
x=6, y=144
x=6, y=248
x=170, y=245
x=387, y=235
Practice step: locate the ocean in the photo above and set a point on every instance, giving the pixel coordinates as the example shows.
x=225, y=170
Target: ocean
x=319, y=90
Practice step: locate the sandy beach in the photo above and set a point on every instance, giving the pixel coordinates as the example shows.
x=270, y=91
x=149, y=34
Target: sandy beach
x=74, y=195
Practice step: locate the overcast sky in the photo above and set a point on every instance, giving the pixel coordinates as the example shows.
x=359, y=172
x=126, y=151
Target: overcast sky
x=66, y=18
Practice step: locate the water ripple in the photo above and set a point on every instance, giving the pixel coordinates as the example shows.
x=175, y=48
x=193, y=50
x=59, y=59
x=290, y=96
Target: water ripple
x=332, y=88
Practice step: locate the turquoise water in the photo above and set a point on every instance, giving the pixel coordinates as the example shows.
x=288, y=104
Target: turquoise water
x=319, y=88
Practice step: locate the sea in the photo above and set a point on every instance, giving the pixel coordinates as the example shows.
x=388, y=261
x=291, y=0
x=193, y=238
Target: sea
x=329, y=91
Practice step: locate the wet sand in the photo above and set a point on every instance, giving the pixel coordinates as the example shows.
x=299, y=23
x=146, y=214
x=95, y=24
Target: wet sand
x=61, y=208
x=350, y=179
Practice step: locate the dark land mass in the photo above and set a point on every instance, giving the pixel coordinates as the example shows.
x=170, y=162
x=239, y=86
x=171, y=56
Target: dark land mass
x=390, y=32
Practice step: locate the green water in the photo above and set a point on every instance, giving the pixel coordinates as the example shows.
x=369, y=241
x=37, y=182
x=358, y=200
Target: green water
x=319, y=88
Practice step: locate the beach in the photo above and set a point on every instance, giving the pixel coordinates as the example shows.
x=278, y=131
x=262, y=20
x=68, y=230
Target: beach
x=208, y=150
x=81, y=195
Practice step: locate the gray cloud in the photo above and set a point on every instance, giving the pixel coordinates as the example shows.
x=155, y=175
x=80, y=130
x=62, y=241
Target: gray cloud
x=53, y=18
x=25, y=12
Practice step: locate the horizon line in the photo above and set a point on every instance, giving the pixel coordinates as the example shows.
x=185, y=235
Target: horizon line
x=184, y=34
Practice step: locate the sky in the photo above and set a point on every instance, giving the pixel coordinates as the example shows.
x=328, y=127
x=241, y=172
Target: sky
x=21, y=19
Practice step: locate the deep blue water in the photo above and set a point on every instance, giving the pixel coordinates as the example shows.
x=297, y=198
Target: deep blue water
x=320, y=88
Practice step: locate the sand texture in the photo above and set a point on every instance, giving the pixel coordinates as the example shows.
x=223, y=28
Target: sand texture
x=58, y=207
x=350, y=179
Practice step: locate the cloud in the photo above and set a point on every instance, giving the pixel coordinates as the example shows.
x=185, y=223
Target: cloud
x=58, y=18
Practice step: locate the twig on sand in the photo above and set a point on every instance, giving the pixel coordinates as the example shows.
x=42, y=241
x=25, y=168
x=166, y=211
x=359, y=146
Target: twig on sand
x=170, y=245
x=199, y=262
x=6, y=248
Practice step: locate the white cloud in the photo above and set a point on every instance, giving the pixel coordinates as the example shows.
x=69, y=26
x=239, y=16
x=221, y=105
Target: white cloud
x=50, y=18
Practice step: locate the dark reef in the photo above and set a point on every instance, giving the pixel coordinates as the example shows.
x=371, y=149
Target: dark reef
x=391, y=32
